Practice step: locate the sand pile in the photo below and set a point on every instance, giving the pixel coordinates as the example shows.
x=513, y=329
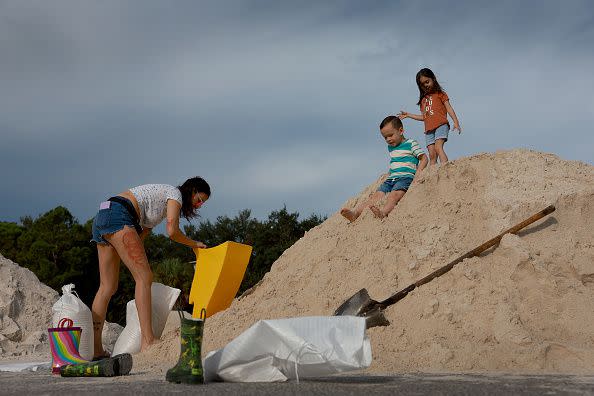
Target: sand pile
x=26, y=314
x=25, y=311
x=525, y=306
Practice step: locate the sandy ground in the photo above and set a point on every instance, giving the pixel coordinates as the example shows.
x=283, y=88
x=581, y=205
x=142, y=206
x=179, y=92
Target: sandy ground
x=407, y=384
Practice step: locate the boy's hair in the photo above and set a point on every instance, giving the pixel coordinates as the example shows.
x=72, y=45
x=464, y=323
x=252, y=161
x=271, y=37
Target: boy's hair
x=427, y=73
x=395, y=121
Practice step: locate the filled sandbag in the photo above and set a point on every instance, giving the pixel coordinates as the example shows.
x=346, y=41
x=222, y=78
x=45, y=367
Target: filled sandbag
x=70, y=306
x=293, y=348
x=163, y=297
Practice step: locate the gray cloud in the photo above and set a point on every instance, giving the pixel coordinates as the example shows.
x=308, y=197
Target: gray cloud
x=274, y=103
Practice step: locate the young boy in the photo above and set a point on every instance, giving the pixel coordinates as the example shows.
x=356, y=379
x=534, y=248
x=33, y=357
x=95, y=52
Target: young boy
x=405, y=156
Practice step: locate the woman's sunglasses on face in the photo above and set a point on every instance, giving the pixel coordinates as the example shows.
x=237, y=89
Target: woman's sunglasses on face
x=201, y=200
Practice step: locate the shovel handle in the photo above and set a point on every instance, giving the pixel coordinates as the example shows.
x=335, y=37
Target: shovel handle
x=474, y=252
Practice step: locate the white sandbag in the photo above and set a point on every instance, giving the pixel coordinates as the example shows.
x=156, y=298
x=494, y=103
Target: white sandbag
x=109, y=336
x=69, y=306
x=163, y=297
x=277, y=350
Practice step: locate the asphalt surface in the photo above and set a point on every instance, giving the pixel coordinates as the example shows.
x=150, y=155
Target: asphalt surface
x=37, y=383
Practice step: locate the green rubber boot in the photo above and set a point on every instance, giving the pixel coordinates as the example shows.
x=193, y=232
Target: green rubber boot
x=188, y=369
x=108, y=367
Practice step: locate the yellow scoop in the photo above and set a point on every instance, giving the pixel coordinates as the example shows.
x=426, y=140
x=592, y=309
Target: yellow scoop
x=218, y=275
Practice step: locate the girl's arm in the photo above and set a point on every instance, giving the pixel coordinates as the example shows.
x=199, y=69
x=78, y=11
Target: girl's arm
x=403, y=114
x=452, y=114
x=175, y=234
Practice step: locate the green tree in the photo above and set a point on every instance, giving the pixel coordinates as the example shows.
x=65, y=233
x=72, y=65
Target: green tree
x=159, y=247
x=58, y=250
x=175, y=273
x=269, y=239
x=9, y=234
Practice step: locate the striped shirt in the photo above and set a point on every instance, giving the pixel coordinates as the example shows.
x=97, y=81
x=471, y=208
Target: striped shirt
x=404, y=159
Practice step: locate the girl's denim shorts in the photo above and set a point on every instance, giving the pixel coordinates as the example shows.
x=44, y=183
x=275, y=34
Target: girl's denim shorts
x=112, y=217
x=441, y=132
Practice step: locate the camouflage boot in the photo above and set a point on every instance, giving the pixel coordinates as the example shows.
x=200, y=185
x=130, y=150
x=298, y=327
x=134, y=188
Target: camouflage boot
x=108, y=367
x=188, y=369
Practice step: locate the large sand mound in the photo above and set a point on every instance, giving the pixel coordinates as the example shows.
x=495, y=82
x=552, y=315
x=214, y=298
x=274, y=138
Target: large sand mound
x=25, y=311
x=527, y=305
x=26, y=314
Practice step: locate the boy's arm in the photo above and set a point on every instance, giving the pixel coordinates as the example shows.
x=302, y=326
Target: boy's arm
x=422, y=163
x=403, y=114
x=418, y=152
x=452, y=114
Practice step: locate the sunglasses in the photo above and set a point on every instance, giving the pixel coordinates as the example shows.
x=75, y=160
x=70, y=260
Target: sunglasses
x=201, y=200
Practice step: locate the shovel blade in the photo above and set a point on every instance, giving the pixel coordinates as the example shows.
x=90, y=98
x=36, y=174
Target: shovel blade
x=375, y=317
x=360, y=304
x=356, y=304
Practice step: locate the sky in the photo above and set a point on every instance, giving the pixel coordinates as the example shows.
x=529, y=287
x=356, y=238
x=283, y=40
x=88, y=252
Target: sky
x=274, y=103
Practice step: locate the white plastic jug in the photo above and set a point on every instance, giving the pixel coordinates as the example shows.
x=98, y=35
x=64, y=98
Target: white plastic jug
x=69, y=306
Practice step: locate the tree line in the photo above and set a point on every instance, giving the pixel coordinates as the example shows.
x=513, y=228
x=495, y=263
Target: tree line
x=57, y=248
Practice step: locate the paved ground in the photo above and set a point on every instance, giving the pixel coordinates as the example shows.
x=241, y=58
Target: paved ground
x=408, y=384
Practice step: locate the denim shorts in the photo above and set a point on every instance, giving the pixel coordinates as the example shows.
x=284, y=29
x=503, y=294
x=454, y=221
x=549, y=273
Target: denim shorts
x=112, y=217
x=441, y=132
x=399, y=183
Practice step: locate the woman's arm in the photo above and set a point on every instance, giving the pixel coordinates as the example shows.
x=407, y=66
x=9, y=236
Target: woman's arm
x=144, y=233
x=452, y=114
x=403, y=114
x=175, y=234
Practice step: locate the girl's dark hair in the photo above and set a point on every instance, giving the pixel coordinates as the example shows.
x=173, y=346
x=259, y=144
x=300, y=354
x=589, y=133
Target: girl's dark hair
x=429, y=74
x=189, y=188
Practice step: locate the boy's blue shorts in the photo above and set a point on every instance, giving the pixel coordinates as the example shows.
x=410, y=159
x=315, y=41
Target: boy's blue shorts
x=399, y=183
x=441, y=132
x=111, y=218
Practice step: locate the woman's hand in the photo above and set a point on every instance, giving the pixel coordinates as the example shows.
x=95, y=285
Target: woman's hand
x=403, y=114
x=200, y=245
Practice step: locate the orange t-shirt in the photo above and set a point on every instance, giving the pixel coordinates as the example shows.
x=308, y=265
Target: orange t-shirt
x=434, y=111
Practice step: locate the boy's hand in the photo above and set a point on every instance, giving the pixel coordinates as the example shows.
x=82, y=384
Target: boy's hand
x=402, y=115
x=457, y=128
x=200, y=245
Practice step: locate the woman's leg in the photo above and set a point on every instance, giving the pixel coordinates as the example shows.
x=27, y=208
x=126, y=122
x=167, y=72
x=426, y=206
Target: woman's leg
x=443, y=158
x=130, y=248
x=109, y=271
x=432, y=154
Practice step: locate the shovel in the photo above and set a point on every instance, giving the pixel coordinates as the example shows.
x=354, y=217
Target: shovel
x=360, y=304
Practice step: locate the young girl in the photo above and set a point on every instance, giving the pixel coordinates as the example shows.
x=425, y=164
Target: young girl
x=435, y=106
